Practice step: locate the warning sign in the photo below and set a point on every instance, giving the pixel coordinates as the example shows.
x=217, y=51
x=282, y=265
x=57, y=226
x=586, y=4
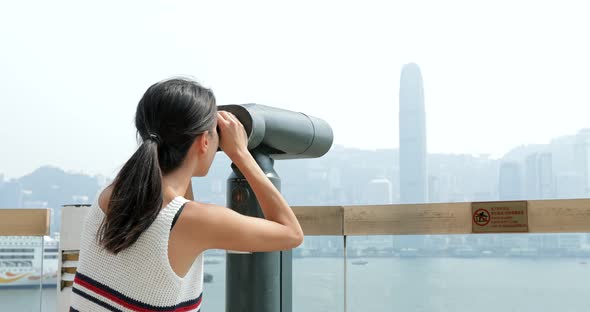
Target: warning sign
x=499, y=217
x=481, y=217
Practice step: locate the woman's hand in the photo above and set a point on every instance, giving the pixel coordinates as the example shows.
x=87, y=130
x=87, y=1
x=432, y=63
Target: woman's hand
x=233, y=139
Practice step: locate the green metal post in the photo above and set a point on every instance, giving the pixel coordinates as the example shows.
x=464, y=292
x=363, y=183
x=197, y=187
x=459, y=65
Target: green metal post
x=259, y=281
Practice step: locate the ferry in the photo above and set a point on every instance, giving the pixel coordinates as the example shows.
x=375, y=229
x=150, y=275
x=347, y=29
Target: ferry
x=25, y=263
x=360, y=262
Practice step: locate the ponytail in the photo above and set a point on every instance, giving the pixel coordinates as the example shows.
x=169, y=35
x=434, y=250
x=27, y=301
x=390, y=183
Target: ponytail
x=136, y=199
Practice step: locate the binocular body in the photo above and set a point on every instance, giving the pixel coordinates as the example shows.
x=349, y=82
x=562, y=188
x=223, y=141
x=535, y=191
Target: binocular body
x=282, y=134
x=262, y=282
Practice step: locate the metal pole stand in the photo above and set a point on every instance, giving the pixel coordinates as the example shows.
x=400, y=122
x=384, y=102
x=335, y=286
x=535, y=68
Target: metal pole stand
x=258, y=281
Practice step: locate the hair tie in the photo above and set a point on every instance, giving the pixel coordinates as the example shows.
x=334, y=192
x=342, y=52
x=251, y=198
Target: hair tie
x=154, y=137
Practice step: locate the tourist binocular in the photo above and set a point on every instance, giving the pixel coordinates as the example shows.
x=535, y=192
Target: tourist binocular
x=280, y=133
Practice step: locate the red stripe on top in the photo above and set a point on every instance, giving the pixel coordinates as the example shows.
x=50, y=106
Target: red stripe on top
x=128, y=305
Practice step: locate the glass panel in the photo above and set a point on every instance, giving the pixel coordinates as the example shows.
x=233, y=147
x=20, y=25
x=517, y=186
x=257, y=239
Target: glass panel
x=20, y=273
x=214, y=287
x=50, y=265
x=371, y=273
x=318, y=274
x=509, y=272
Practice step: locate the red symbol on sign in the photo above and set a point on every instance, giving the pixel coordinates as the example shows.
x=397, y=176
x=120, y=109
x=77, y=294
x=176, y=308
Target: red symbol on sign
x=481, y=217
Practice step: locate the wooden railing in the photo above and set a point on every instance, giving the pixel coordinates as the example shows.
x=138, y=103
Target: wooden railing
x=544, y=216
x=24, y=222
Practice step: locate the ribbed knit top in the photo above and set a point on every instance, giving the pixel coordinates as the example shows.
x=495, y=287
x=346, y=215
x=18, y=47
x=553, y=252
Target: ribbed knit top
x=138, y=278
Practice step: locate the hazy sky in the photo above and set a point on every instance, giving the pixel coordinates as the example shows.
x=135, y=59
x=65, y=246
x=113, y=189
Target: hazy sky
x=497, y=74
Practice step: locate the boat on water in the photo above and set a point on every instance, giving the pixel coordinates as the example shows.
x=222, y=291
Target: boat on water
x=360, y=262
x=28, y=262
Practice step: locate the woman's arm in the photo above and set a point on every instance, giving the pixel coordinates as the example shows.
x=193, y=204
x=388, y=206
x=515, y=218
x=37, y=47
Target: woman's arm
x=207, y=226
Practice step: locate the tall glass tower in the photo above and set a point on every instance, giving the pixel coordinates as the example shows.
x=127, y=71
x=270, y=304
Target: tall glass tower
x=412, y=137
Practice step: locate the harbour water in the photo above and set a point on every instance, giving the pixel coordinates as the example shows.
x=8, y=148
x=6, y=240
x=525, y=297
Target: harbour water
x=403, y=284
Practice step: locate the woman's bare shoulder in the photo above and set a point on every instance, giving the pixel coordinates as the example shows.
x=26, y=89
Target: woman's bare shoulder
x=104, y=198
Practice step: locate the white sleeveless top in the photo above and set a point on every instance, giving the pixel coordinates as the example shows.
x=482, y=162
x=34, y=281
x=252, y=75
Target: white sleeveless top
x=138, y=278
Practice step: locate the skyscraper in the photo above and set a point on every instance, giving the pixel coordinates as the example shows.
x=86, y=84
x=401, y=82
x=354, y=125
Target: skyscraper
x=412, y=137
x=509, y=186
x=539, y=176
x=531, y=176
x=546, y=177
x=582, y=159
x=379, y=192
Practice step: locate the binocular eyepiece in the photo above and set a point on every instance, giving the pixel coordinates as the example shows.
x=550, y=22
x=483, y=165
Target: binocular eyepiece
x=282, y=134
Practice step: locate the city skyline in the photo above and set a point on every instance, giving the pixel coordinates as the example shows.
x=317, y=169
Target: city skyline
x=356, y=177
x=568, y=140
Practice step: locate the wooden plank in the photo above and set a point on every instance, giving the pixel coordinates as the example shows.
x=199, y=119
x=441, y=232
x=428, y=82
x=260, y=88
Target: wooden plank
x=24, y=222
x=320, y=220
x=559, y=216
x=545, y=216
x=451, y=218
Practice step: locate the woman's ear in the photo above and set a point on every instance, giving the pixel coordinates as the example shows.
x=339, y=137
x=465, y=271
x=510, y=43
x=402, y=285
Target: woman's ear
x=201, y=143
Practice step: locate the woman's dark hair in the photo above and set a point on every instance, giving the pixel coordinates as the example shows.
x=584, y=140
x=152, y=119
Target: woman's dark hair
x=170, y=116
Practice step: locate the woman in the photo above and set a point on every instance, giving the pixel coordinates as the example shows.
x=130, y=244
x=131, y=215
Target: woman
x=143, y=241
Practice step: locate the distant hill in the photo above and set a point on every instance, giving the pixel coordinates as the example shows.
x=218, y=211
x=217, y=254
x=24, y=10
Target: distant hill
x=48, y=187
x=58, y=187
